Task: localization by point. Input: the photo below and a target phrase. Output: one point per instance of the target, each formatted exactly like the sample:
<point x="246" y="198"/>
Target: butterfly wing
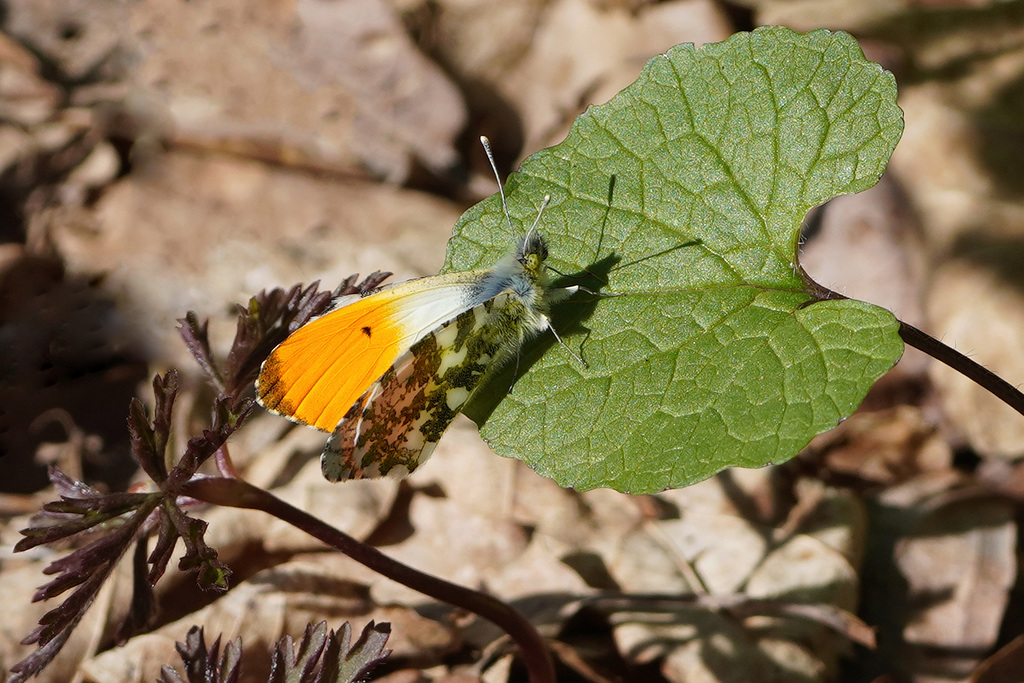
<point x="316" y="375"/>
<point x="397" y="422"/>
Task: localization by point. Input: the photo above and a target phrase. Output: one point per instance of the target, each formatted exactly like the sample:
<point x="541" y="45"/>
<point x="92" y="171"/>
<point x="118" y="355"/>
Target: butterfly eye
<point x="534" y="248"/>
<point x="542" y="252"/>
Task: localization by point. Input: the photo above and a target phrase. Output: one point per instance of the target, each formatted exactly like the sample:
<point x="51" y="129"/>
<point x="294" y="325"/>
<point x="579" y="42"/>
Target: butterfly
<point x="386" y="372"/>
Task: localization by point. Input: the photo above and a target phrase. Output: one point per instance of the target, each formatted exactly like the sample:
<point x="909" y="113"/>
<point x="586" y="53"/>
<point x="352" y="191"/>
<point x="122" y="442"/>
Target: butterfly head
<point x="532" y="251"/>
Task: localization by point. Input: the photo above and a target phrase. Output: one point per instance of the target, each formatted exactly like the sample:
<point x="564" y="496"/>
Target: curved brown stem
<point x="985" y="378"/>
<point x="237" y="493"/>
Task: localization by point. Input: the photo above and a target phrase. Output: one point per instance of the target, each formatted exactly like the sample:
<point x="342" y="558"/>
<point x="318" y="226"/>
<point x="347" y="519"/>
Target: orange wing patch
<point x="319" y="371"/>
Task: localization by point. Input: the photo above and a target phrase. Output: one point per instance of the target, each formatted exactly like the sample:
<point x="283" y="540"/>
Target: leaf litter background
<point x="161" y="156"/>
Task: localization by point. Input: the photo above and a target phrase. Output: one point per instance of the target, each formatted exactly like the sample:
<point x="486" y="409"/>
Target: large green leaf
<point x="684" y="196"/>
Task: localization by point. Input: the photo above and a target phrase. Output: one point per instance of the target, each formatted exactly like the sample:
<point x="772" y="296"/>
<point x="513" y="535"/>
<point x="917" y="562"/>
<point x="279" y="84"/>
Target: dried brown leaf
<point x="796" y="577"/>
<point x="404" y="107"/>
<point x="959" y="562"/>
<point x="231" y="227"/>
<point x="1002" y="667"/>
<point x="937" y="579"/>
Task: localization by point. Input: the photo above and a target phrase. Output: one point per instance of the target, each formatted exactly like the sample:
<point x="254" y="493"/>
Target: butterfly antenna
<point x="501" y="190"/>
<point x="536" y="221"/>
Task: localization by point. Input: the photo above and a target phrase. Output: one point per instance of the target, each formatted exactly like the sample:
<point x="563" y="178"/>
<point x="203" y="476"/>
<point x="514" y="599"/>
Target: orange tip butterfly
<point x="388" y="371"/>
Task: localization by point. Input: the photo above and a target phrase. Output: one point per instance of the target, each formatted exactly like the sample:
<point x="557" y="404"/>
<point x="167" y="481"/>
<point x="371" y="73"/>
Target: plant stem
<point x="981" y="375"/>
<point x="237" y="493"/>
